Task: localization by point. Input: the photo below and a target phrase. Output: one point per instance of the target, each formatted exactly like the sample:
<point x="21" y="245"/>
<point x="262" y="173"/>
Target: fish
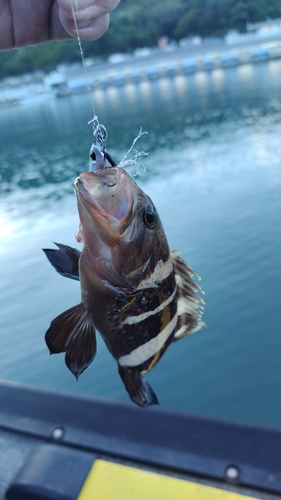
<point x="136" y="292"/>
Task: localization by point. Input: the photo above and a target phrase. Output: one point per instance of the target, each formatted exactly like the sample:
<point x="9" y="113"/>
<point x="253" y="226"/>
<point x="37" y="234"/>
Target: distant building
<point x="255" y="31"/>
<point x="265" y="27"/>
<point x="163" y="42"/>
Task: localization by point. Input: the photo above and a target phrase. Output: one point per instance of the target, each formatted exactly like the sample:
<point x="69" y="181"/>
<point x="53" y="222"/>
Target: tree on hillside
<point x="216" y="17"/>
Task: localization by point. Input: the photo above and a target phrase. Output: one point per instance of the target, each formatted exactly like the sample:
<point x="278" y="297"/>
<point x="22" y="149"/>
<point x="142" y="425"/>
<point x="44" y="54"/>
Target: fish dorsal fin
<point x="190" y="305"/>
<point x="65" y="260"/>
<point x="73" y="332"/>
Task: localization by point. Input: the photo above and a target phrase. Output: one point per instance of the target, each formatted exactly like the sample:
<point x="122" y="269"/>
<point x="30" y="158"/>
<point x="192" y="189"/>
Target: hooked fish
<point x="135" y="291"/>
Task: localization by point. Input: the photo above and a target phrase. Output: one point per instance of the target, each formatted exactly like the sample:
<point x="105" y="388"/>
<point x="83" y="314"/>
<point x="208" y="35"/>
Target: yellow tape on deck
<point x="111" y="481"/>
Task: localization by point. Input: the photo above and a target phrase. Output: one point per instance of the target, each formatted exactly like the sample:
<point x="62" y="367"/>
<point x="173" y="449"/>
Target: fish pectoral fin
<point x="73" y="332"/>
<point x="138" y="388"/>
<point x="65" y="260"/>
<point x="189" y="304"/>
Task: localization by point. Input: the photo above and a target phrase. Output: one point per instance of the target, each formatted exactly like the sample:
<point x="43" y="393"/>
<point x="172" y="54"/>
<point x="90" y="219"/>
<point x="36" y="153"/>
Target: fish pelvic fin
<point x="137" y="387"/>
<point x="65" y="260"/>
<point x="73" y="332"/>
<point x="190" y="305"/>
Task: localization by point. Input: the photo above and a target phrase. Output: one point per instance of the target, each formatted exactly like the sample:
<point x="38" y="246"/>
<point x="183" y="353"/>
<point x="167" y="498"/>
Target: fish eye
<point x="103" y="184"/>
<point x="150" y="215"/>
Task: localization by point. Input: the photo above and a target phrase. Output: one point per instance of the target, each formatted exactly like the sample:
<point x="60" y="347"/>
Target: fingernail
<point x="84" y="24"/>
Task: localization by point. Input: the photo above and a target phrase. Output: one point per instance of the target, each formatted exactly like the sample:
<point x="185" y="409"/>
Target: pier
<point x="162" y="64"/>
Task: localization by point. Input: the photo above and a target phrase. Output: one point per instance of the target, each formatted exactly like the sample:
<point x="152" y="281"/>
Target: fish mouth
<point x="107" y="193"/>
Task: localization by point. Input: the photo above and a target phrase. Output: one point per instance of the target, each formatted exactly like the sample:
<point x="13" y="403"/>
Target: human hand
<point x="30" y="22"/>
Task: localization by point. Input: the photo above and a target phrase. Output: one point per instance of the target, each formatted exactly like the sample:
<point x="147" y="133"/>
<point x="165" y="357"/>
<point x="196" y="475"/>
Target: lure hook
<point x="98" y="153"/>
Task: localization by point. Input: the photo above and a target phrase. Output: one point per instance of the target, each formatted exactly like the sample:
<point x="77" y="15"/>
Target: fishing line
<point x="95" y="120"/>
<point x="97" y="151"/>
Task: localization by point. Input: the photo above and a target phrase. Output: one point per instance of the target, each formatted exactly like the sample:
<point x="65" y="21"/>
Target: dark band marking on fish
<point x="130" y="336"/>
<point x="145" y="351"/>
<point x="150" y="314"/>
<point x="121" y="305"/>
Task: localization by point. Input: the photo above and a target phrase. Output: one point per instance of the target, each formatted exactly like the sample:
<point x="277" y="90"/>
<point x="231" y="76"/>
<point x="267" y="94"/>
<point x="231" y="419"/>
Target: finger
<point x="88" y="29"/>
<point x="85" y="10"/>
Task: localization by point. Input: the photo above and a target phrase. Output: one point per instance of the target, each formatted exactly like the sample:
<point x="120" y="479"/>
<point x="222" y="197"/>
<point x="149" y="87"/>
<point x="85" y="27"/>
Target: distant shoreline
<point x="208" y="56"/>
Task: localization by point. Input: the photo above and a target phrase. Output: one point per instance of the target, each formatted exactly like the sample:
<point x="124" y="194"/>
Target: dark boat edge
<point x="58" y="425"/>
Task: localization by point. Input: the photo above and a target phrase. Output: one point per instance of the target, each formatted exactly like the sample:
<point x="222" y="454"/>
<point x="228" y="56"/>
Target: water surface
<point x="214" y="173"/>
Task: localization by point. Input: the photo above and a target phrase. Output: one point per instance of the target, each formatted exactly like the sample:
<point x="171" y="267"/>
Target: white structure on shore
<point x="255" y="32"/>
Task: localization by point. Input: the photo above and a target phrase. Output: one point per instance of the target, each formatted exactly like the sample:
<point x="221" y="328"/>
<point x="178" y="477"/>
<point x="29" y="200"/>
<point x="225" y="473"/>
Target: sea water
<point x="214" y="174"/>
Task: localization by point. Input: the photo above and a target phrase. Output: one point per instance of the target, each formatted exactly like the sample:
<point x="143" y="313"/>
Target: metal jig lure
<point x="98" y="153"/>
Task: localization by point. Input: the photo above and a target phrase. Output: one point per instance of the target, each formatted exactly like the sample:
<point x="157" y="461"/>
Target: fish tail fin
<point x="138" y="388"/>
<point x="65" y="260"/>
<point x="73" y="332"/>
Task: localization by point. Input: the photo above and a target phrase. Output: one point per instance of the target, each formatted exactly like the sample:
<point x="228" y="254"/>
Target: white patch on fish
<point x="130" y="320"/>
<point x="161" y="271"/>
